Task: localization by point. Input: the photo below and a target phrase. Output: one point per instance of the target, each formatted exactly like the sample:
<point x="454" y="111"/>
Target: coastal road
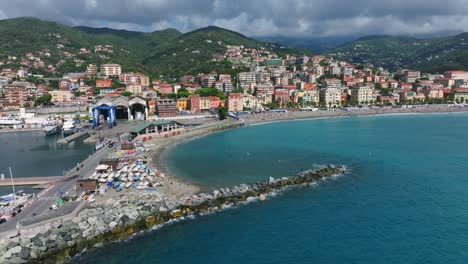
<point x="49" y="196"/>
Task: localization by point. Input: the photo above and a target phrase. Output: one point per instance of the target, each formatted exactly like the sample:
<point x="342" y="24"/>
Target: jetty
<point x="72" y="137"/>
<point x="29" y="181"/>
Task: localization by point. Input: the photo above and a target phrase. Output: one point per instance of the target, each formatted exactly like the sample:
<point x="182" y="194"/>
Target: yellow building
<point x="182" y="104"/>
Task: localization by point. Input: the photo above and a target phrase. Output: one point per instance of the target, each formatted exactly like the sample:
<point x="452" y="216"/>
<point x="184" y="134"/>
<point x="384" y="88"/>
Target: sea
<point x="32" y="154"/>
<point x="404" y="198"/>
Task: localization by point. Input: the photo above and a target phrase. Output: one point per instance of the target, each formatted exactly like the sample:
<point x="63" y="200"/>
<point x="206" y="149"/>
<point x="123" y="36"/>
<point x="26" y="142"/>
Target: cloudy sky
<point x="292" y="18"/>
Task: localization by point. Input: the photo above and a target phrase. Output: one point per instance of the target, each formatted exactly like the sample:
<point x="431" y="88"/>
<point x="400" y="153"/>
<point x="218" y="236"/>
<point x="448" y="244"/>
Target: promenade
<point x="26" y="181"/>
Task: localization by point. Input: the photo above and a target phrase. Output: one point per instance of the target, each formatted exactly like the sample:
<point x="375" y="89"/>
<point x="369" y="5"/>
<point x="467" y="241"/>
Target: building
<point x="281" y="96"/>
<point x="61" y="97"/>
<point x="166" y="108"/>
<point x="134" y="88"/>
<point x="160" y="128"/>
<point x="165" y="89"/>
<point x="456" y="75"/>
<point x="460" y="95"/>
<point x="362" y="94"/>
<point x="195" y="103"/>
<point x="182" y="104"/>
<point x="134" y="77"/>
<point x="330" y="97"/>
<point x="208" y="81"/>
<point x="235" y="102"/>
<point x="435" y="93"/>
<point x="103" y="83"/>
<point x="92" y="70"/>
<point x="215" y="102"/>
<point x="111" y="70"/>
<point x="106" y="91"/>
<point x="205" y="103"/>
<point x="245" y="78"/>
<point x="250" y="102"/>
<point x="86" y="185"/>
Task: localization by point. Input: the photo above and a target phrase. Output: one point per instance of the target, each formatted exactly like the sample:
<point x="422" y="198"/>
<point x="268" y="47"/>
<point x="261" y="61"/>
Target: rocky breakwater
<point x="119" y="218"/>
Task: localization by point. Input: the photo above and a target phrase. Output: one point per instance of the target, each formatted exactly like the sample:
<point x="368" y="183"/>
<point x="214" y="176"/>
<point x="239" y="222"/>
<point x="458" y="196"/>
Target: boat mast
<point x="12" y="183"/>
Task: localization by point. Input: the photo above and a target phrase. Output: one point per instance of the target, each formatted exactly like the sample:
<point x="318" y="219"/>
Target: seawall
<point x="132" y="213"/>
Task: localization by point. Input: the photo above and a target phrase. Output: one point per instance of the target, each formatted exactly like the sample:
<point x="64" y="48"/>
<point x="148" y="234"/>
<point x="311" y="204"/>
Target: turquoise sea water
<point x="404" y="200"/>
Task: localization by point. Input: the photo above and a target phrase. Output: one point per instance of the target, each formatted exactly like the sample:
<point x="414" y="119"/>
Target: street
<point x="49" y="196"/>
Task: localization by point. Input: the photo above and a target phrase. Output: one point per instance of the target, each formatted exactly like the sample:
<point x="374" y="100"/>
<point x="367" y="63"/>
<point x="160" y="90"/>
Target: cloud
<point x="298" y="18"/>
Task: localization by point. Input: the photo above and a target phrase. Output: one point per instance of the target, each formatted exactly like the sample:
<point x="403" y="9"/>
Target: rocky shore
<point x="120" y="218"/>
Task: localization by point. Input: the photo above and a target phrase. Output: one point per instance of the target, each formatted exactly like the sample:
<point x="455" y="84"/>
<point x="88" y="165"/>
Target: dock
<point x="29" y="181"/>
<point x="72" y="137"/>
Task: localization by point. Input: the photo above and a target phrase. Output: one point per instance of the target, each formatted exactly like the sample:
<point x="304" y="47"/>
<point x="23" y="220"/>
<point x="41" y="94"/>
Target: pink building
<point x="195" y="103"/>
<point x="235" y="102"/>
<point x="215" y="102"/>
<point x="165" y="89"/>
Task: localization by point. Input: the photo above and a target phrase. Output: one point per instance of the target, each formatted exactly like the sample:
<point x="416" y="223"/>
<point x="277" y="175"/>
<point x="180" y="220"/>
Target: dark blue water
<point x="405" y="199"/>
<point x="33" y="154"/>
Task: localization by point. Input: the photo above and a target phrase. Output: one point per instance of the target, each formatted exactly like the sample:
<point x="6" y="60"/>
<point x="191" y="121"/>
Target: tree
<point x="44" y="100"/>
<point x="126" y="93"/>
<point x="222" y="112"/>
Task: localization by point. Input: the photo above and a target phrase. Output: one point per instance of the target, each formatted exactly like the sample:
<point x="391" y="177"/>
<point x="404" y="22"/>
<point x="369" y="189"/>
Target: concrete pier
<point x="72" y="137"/>
<point x="29" y="181"/>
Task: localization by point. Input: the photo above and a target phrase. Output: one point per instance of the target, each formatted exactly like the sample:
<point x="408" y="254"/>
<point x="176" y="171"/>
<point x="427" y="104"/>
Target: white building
<point x="362" y="95"/>
<point x="331" y="97"/>
<point x="111" y="70"/>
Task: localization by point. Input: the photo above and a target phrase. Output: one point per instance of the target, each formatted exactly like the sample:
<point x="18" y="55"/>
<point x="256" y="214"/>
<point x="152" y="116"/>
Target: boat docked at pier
<point x="69" y="128"/>
<point x="10" y="121"/>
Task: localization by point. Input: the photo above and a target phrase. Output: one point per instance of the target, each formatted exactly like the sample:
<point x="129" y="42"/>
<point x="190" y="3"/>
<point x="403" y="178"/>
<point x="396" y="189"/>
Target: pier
<point x="29" y="181"/>
<point x="72" y="137"/>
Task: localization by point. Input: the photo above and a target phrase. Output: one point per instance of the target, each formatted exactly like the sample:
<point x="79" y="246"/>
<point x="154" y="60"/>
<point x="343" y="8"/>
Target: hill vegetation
<point x="167" y="52"/>
<point x="396" y="52"/>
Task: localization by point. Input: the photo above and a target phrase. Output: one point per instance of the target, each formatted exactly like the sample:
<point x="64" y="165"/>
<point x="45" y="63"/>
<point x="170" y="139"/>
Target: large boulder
<point x="15" y="250"/>
<point x="37" y="241"/>
<point x="25" y="253"/>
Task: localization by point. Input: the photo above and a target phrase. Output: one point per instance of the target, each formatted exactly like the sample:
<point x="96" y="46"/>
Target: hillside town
<point x="273" y="82"/>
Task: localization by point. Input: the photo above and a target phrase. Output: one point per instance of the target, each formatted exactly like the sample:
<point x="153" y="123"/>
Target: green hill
<point x="394" y="52"/>
<point x="167" y="52"/>
<point x="192" y="52"/>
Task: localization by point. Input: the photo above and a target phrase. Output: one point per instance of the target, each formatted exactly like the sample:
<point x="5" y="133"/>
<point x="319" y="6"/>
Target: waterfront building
<point x="215" y="102"/>
<point x="125" y="108"/>
<point x="160" y="128"/>
<point x="205" y="103"/>
<point x="195" y="103"/>
<point x="362" y="94"/>
<point x="182" y="104"/>
<point x="235" y="102"/>
<point x="330" y="97"/>
<point x="166" y="108"/>
<point x="435" y="93"/>
<point x="460" y="95"/>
